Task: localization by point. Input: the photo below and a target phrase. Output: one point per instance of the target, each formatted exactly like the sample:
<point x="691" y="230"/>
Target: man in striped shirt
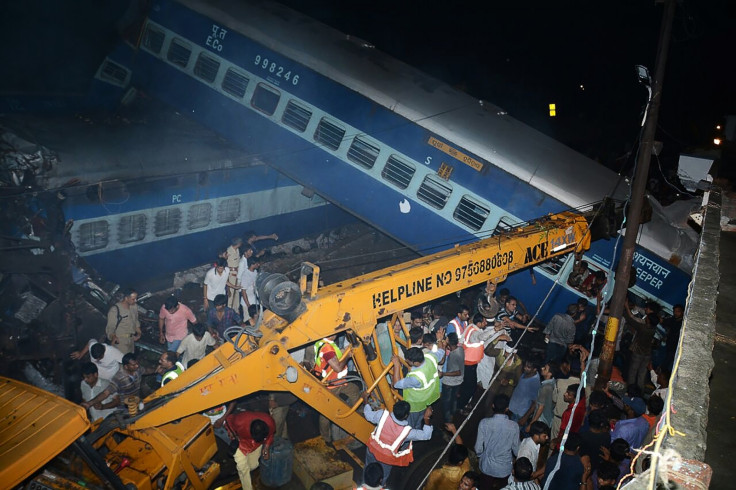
<point x="522" y="476"/>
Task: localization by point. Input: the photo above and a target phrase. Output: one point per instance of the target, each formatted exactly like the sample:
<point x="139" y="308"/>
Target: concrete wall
<point x="690" y="383"/>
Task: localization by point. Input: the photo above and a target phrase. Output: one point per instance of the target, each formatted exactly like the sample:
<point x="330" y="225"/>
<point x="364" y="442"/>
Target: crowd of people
<point x="541" y="426"/>
<point x="544" y="425"/>
<point x="113" y="377"/>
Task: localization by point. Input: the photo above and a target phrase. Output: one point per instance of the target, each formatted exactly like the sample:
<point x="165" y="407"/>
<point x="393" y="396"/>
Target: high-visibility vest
<point x="173" y="374"/>
<point x="387" y="438"/>
<point x="459" y="327"/>
<point x="422" y="397"/>
<point x="321" y="366"/>
<point x="474" y="350"/>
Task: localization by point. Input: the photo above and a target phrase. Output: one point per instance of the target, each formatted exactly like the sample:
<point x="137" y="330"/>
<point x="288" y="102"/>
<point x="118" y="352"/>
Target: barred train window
<point x="132" y="228"/>
<point x="434" y="192"/>
<point x="471" y="213"/>
<point x="179" y="53"/>
<point x="505" y="225"/>
<point x="167" y="222"/>
<point x="153" y="39"/>
<point x="362" y="152"/>
<point x="199" y="215"/>
<point x="329" y="134"/>
<point x="206" y="67"/>
<point x="228" y="210"/>
<point x="114" y="73"/>
<point x="398" y="172"/>
<point x="296" y="116"/>
<point x="94" y="235"/>
<point x="235" y="83"/>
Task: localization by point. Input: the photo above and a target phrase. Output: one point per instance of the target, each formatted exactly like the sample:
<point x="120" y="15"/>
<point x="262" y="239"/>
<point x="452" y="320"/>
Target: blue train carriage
<point x="136" y="230"/>
<point x="148" y="199"/>
<point x="426" y="164"/>
<point x="656" y="280"/>
<point x="346" y="132"/>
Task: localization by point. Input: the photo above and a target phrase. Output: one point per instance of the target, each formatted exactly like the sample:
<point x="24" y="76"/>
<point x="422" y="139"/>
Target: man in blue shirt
<point x="496" y="445"/>
<point x="632" y="430"/>
<point x="400" y="455"/>
<point x="521" y="405"/>
<point x="571" y="472"/>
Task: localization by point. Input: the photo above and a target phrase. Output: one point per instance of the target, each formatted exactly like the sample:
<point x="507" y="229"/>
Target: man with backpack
<point x="123" y="328"/>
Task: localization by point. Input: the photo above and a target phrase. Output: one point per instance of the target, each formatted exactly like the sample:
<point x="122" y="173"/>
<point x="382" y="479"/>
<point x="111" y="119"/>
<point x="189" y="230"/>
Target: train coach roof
<point x="462" y="120"/>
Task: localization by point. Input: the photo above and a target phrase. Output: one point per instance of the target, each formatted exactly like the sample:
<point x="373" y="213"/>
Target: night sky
<point x="520" y="56"/>
<point x="523" y="56"/>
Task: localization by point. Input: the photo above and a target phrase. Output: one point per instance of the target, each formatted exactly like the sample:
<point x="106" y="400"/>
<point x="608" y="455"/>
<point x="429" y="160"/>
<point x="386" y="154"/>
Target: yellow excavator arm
<point x="252" y="364"/>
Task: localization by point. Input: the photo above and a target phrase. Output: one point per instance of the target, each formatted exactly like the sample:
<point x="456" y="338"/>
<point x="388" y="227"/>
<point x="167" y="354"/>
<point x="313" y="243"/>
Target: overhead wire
<point x="438" y="245"/>
<point x="554" y="285"/>
<point x="606" y="292"/>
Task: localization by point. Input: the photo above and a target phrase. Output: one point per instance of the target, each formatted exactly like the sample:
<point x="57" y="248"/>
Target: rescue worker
<point x="422" y="383"/>
<point x="459" y="323"/>
<point x="123" y="328"/>
<point x="388" y="442"/>
<point x="169" y="366"/>
<point x="475" y="337"/>
<point x="331" y="367"/>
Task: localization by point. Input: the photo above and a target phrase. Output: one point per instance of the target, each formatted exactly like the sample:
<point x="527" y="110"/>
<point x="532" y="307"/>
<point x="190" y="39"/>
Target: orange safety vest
<point x="387" y="438"/>
<point x="459" y="328"/>
<point x="321" y="366"/>
<point x="474" y="350"/>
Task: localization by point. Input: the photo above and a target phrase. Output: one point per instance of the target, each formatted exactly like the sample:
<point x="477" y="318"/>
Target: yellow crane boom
<point x="169" y="443"/>
<point x="355" y="306"/>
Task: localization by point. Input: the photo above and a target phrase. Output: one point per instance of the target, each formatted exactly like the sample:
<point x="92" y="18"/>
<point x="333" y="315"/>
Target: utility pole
<point x="623" y="272"/>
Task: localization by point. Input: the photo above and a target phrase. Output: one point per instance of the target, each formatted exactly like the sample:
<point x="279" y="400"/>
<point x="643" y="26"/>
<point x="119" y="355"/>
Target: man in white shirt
<point x="247" y="278"/>
<point x="91" y="386"/>
<point x="529" y="447"/>
<point x="106" y="357"/>
<point x="194" y="345"/>
<point x="215" y="282"/>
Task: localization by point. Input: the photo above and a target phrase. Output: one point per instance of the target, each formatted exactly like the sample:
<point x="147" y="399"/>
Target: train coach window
<point x="206" y="67"/>
<point x="114" y="73"/>
<point x="398" y="172"/>
<point x="179" y="53"/>
<point x="329" y="134"/>
<point x="434" y="192"/>
<point x="199" y="215"/>
<point x="505" y="225"/>
<point x="362" y="152"/>
<point x="471" y="213"/>
<point x="235" y="83"/>
<point x="295" y="116"/>
<point x="153" y="39"/>
<point x="132" y="228"/>
<point x="265" y="99"/>
<point x="167" y="222"/>
<point x="94" y="235"/>
<point x="228" y="210"/>
<point x="553" y="265"/>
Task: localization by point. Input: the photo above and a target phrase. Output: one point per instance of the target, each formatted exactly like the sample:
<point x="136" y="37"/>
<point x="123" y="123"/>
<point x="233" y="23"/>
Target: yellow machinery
<point x="170" y="442"/>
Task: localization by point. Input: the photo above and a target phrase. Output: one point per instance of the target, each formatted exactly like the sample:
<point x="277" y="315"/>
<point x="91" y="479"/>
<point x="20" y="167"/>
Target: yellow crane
<point x="170" y="441"/>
